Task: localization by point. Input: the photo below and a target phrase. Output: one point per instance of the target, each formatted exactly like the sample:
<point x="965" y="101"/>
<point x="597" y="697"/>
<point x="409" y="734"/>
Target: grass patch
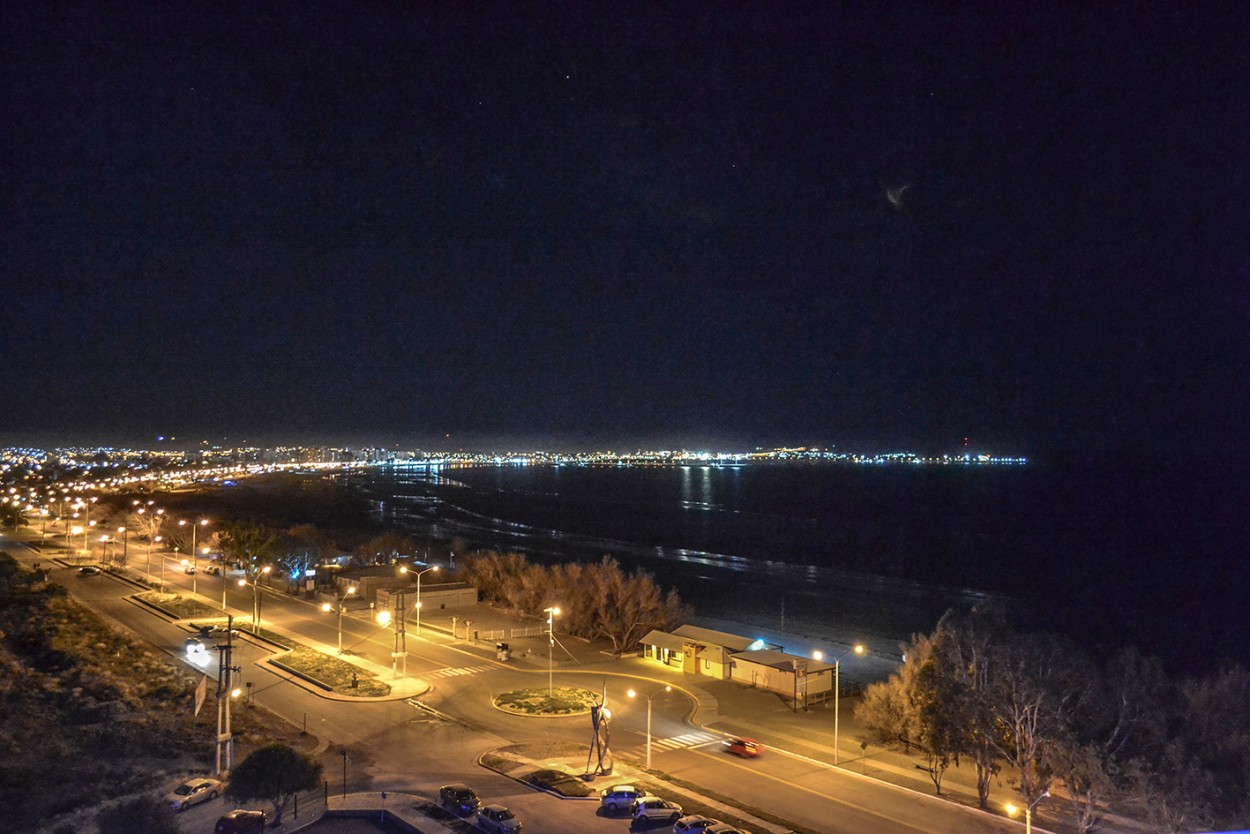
<point x="334" y="673"/>
<point x="245" y="627"/>
<point x="557" y="781"/>
<point x="178" y="606"/>
<point x="563" y="700"/>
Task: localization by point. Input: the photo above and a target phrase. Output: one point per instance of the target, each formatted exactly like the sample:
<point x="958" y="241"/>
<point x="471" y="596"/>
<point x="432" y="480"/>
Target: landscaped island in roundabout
<point x="560" y="700"/>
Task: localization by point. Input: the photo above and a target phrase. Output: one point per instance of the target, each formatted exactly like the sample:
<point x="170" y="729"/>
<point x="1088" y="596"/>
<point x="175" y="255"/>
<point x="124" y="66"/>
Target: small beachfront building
<point x="697" y="651"/>
<point x="792" y="676"/>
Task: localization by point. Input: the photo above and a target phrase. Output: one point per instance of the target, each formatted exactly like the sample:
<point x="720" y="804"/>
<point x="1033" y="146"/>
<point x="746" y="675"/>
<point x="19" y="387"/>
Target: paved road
<point x="403" y="748"/>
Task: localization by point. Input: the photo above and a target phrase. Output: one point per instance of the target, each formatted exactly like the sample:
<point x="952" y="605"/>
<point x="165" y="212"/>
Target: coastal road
<point x="399" y="747"/>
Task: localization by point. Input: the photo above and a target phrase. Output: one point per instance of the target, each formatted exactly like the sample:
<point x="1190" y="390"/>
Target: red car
<point x="747" y="748"/>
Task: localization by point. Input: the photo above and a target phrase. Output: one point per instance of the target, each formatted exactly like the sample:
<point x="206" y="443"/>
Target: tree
<point x="248" y="543"/>
<point x="1124" y="722"/>
<point x="12" y="515"/>
<point x="964" y="646"/>
<point x="145" y="814"/>
<point x="274" y="773"/>
<point x="384" y="548"/>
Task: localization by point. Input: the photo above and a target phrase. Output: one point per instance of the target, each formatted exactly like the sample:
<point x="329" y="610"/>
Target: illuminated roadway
<point x="403" y="748"/>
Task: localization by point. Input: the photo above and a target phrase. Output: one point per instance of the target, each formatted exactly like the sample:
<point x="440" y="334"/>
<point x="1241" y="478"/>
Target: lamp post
<point x="151" y="542"/>
<point x="419" y="573"/>
<point x="551" y="613"/>
<point x="325" y="606"/>
<point x="125" y="538"/>
<point x="195" y="524"/>
<point x="1012" y="810"/>
<point x="837" y="691"/>
<point x="224" y="581"/>
<point x="650" y="698"/>
<point x="104" y="542"/>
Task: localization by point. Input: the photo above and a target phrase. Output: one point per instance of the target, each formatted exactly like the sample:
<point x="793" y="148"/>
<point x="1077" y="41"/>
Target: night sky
<point x="581" y="225"/>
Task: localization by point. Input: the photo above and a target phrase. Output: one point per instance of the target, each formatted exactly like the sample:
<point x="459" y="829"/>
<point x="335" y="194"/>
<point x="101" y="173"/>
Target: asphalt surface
<point x="442" y="721"/>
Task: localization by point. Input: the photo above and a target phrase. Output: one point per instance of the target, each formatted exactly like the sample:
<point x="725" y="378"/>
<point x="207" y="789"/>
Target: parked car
<point x="213" y="570"/>
<point x="620" y="797"/>
<point x="747" y="748"/>
<point x="459" y="799"/>
<point x="726" y="828"/>
<point x="654" y="808"/>
<point x="496" y="819"/>
<point x="241" y="822"/>
<point x="193" y="792"/>
<point x="89" y="570"/>
<point x="694" y="823"/>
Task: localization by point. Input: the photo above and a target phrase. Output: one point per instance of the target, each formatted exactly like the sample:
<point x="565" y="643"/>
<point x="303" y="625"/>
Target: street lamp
<point x="650" y="698"/>
<point x="551" y="613"/>
<point x="155" y="540"/>
<point x="125" y="537"/>
<point x="1012" y="810"/>
<point x="837" y="691"/>
<point x="325" y="606"/>
<point x="419" y="574"/>
<point x="201" y="523"/>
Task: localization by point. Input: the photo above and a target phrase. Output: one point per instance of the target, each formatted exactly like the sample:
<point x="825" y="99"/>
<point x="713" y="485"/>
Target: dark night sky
<point x="645" y="224"/>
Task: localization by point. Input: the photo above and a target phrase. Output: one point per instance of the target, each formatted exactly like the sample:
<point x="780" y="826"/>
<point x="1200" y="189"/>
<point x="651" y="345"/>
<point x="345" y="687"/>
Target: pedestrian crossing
<point x="454" y="671"/>
<point x="659" y="745"/>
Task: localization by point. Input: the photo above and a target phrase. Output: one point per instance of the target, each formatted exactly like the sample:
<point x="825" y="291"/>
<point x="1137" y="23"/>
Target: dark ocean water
<point x="1109" y="551"/>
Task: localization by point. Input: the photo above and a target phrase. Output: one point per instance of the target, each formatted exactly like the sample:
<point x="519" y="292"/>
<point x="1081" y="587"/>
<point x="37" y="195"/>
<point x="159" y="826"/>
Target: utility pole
<point x="225" y="694"/>
<point x="401" y="638"/>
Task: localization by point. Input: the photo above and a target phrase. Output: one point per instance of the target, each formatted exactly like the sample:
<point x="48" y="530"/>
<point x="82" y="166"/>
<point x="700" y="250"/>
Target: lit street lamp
<point x="1012" y="810"/>
<point x="125" y="537"/>
<point x="195" y="524"/>
<point x="152" y="541"/>
<point x="650" y="698"/>
<point x="837" y="691"/>
<point x="325" y="606"/>
<point x="552" y="613"/>
<point x="419" y="595"/>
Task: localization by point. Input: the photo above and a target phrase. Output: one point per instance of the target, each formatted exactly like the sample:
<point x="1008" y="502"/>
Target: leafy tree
<point x="274" y="773"/>
<point x="384" y="548"/>
<point x="248" y="543"/>
<point x="964" y="646"/>
<point x="151" y="816"/>
<point x="598" y="600"/>
<point x="1124" y="722"/>
<point x="12" y="515"/>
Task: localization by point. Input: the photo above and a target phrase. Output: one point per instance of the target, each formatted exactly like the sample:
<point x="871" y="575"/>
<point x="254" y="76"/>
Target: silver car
<point x="193" y="792"/>
<point x="620" y="797"/>
<point x="496" y="819"/>
<point x="654" y="808"/>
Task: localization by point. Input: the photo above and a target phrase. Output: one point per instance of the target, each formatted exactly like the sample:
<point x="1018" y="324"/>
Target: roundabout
<point x="543" y="702"/>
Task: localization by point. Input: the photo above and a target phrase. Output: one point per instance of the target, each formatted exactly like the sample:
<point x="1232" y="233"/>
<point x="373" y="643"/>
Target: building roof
<point x="664" y="640"/>
<point x="708" y="637"/>
<point x="783" y="661"/>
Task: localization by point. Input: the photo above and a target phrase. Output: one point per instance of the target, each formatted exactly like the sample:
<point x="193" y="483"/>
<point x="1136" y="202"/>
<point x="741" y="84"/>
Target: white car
<point x="654" y="808"/>
<point x="193" y="792"/>
<point x="620" y="797"/>
<point x="496" y="819"/>
<point x="694" y="822"/>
